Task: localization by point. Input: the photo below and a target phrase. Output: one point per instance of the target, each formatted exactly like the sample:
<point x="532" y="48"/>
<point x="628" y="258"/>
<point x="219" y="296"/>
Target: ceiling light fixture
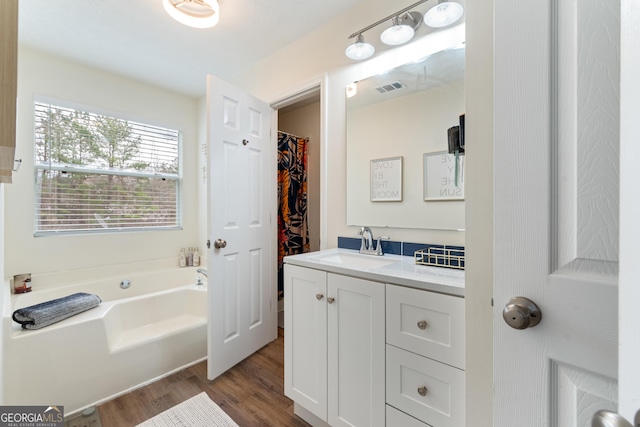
<point x="443" y="14"/>
<point x="405" y="24"/>
<point x="194" y="13"/>
<point x="360" y="49"/>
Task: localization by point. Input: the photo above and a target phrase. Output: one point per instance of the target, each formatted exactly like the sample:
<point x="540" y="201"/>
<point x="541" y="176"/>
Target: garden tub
<point x="156" y="326"/>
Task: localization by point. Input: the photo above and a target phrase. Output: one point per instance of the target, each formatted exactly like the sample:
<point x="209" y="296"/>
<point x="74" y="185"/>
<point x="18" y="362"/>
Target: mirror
<point x="404" y="113"/>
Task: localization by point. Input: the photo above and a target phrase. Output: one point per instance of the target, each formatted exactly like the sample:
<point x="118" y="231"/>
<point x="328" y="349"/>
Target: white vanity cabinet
<point x="425" y="358"/>
<point x="373" y="341"/>
<point x="334" y="347"/>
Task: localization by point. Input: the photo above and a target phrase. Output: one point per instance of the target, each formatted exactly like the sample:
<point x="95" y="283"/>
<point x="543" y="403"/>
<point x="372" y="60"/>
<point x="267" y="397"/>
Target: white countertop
<point x="400" y="270"/>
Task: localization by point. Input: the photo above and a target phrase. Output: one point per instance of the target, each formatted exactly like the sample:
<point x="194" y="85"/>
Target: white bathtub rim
<point x="107" y="288"/>
<point x="95" y="314"/>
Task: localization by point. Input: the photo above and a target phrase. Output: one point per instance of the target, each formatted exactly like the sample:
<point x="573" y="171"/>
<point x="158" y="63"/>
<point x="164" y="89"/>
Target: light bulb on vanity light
<point x="360" y="49"/>
<point x="398" y="33"/>
<point x="443" y="14"/>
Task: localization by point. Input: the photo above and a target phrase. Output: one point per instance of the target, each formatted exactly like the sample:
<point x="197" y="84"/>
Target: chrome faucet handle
<point x="379" y="246"/>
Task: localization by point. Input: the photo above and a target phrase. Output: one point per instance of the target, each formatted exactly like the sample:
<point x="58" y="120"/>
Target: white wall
<point x="3" y="290"/>
<point x="41" y="74"/>
<point x="479" y="215"/>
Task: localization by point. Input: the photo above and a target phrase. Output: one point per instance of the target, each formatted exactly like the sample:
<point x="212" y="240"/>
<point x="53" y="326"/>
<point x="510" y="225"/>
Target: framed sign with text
<point x="443" y="176"/>
<point x="386" y="179"/>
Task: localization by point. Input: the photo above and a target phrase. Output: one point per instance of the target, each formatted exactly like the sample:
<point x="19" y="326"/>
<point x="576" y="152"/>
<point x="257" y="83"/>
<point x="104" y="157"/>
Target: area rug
<point x="198" y="411"/>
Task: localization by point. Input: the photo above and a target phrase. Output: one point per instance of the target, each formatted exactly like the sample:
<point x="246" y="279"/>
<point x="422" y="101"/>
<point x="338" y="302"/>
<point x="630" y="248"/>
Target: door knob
<point x="521" y="313"/>
<point x="609" y="419"/>
<point x="220" y="243"/>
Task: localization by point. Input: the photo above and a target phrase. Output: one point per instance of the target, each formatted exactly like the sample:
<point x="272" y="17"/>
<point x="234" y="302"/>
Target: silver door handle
<point x="220" y="243"/>
<point x="610" y="419"/>
<point x="521" y="313"/>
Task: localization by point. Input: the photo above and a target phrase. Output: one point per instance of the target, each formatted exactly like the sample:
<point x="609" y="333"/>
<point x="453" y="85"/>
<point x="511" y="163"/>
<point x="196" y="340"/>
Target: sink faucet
<point x="367" y="239"/>
<point x="366" y="245"/>
<point x="204" y="273"/>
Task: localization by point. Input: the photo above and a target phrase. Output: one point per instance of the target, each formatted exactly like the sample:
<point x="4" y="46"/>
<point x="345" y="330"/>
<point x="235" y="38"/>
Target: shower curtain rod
<point x="291" y="134"/>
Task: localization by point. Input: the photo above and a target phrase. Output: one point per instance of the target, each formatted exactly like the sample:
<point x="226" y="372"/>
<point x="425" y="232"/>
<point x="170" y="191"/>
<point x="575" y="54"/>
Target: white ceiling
<point x="137" y="39"/>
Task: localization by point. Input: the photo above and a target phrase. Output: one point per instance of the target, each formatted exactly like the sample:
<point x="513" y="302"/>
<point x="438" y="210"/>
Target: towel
<point x="49" y="312"/>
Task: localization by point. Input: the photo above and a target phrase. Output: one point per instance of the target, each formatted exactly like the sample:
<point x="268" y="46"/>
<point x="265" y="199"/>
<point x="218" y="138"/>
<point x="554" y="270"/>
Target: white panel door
<point x="242" y="200"/>
<point x="556" y="202"/>
<point x="629" y="368"/>
<point x="356" y="351"/>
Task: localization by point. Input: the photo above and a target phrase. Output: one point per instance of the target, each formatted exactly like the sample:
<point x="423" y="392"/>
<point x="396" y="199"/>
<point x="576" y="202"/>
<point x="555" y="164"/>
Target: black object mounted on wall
<point x="456" y="137"/>
<point x="461" y="134"/>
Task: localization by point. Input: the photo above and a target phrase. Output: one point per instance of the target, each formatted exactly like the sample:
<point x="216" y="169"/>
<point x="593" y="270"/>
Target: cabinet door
<point x="8" y="82"/>
<point x="356" y="348"/>
<point x="305" y="338"/>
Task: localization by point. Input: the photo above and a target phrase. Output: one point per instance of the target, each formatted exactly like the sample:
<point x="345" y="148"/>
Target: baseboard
<point x="308" y="416"/>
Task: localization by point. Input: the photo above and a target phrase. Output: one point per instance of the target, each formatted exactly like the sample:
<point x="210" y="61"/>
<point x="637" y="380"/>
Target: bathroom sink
<point x="355" y="260"/>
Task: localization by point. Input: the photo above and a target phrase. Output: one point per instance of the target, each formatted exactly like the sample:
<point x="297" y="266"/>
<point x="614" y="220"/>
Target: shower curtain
<point x="293" y="233"/>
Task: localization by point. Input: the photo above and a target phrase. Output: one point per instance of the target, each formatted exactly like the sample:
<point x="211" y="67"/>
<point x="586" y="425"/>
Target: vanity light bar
<point x="405" y="23"/>
<point x="388" y="18"/>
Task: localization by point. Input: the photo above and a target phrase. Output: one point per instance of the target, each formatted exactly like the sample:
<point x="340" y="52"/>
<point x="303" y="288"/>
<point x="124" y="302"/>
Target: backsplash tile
<point x="396" y="247"/>
<point x="349" y="243"/>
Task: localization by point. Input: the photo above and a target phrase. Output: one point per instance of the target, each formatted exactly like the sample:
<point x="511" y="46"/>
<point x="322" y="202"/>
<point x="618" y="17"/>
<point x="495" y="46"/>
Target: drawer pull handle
<point x="422" y="324"/>
<point x="319" y="296"/>
<point x="330" y="300"/>
<point x="422" y="391"/>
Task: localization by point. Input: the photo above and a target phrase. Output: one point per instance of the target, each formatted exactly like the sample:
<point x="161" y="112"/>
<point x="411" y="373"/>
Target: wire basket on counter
<point x="441" y="256"/>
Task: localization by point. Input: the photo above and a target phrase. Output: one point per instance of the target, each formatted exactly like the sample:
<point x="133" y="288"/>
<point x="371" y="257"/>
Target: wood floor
<point x="252" y="393"/>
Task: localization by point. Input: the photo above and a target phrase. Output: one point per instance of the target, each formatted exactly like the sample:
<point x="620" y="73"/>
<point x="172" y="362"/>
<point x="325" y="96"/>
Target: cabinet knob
<point x="422" y="324"/>
<point x="422" y="391"/>
<point x="319" y="296"/>
<point x="330" y="300"/>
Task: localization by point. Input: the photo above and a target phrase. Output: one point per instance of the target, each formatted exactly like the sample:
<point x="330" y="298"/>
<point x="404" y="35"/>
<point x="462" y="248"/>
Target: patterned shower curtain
<point x="293" y="234"/>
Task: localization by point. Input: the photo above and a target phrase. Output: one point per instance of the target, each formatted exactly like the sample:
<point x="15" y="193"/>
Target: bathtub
<point x="135" y="336"/>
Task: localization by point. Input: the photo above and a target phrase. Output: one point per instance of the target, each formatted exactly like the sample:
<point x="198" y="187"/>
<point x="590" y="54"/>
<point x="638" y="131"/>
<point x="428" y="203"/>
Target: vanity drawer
<point x="397" y="418"/>
<point x="426" y="323"/>
<point x="425" y="389"/>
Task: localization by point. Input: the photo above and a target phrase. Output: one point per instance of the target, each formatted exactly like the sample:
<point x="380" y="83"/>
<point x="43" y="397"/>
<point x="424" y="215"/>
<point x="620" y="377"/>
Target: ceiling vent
<point x="390" y="87"/>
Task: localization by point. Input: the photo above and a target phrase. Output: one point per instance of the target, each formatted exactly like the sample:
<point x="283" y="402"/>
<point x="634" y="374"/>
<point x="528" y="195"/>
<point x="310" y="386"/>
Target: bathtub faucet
<point x="204" y="273"/>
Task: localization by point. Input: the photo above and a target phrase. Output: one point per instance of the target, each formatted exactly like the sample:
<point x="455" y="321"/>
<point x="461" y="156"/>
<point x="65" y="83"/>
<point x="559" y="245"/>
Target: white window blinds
<point x="97" y="173"/>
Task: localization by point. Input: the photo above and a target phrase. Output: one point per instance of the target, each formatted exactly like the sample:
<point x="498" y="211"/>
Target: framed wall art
<point x="443" y="176"/>
<point x="386" y="179"/>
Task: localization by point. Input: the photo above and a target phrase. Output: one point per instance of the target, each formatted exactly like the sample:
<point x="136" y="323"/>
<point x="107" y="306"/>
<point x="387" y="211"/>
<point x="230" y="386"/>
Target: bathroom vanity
<point x="373" y="340"/>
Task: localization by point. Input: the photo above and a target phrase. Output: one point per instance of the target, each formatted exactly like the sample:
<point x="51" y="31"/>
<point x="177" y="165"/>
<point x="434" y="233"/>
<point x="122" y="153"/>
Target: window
<point x="97" y="173"/>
